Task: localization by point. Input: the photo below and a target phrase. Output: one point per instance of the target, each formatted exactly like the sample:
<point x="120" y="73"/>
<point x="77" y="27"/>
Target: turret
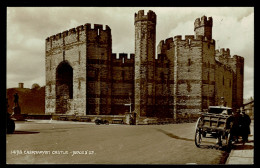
<point x="151" y="16"/>
<point x="203" y="26"/>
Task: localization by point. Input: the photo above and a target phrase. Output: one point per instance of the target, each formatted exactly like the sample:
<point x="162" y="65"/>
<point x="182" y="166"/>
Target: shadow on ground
<point x="174" y="136"/>
<point x="25" y="132"/>
<point x="214" y="146"/>
<point x="243" y="147"/>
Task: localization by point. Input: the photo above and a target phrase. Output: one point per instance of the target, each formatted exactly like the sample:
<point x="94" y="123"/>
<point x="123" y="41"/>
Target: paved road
<point x="65" y="142"/>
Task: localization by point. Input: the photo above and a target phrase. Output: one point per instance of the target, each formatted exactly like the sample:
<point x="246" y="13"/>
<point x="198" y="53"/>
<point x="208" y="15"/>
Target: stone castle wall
<point x="236" y="64"/>
<point x="87" y="51"/>
<point x="122" y="83"/>
<point x="83" y="76"/>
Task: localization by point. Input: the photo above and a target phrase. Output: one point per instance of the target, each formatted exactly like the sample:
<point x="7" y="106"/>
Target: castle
<point x="83" y="76"/>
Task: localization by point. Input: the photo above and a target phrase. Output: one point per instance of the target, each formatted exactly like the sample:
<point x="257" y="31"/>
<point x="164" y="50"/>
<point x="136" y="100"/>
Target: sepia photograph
<point x="130" y="85"/>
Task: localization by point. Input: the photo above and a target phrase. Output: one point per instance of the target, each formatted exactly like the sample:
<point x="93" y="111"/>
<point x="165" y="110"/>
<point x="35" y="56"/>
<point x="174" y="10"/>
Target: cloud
<point x="233" y="31"/>
<point x="28" y="27"/>
<point x="248" y="81"/>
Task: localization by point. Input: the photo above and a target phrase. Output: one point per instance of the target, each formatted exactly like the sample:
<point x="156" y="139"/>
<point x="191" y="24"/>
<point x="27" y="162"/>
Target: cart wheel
<point x="198" y="137"/>
<point x="198" y="134"/>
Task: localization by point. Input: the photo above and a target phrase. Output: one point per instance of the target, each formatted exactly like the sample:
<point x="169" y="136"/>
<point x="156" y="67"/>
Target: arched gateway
<point x="64" y="87"/>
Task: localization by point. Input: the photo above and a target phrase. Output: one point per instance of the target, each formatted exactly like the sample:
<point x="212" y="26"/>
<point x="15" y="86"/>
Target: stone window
<point x="162" y="77"/>
<point x="189" y="62"/>
<point x="79" y="57"/>
<point x="79" y="86"/>
<point x="63" y="55"/>
<point x="92" y="73"/>
<point x="50" y="88"/>
<point x="188" y="86"/>
<point x="78" y="35"/>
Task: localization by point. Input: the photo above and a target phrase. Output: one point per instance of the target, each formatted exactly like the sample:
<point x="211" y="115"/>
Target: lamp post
<point x="129" y="94"/>
<point x="129" y="106"/>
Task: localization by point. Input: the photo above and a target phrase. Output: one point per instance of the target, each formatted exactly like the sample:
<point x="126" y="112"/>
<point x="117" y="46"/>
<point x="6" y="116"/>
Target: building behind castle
<point x="83" y="76"/>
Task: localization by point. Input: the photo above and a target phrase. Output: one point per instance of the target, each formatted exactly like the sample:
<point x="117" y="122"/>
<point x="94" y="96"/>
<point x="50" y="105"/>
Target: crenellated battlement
<point x="203" y="21"/>
<point x="78" y="29"/>
<point x="166" y="41"/>
<point x="140" y="16"/>
<point x="123" y="58"/>
<point x="203" y="26"/>
<point x="223" y="52"/>
<point x="190" y="38"/>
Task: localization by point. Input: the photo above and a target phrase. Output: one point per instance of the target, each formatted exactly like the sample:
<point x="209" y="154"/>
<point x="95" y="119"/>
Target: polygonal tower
<point x="145" y="36"/>
<point x="203" y="27"/>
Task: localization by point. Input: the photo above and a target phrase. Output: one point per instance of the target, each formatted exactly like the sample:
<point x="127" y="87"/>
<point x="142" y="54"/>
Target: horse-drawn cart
<point x="217" y="121"/>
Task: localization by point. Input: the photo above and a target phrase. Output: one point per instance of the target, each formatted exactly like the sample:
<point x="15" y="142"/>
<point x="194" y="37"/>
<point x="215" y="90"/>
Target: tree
<point x="35" y="86"/>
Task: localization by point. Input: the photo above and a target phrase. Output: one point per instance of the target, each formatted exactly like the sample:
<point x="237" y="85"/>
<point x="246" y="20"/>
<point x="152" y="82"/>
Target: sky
<point x="28" y="27"/>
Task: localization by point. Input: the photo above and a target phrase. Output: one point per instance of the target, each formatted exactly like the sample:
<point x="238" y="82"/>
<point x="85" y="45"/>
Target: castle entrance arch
<point x="64" y="87"/>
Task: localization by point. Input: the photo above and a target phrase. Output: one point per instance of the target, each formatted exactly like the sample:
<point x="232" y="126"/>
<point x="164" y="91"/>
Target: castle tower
<point x="145" y="29"/>
<point x="78" y="71"/>
<point x="203" y="27"/>
<point x="237" y="65"/>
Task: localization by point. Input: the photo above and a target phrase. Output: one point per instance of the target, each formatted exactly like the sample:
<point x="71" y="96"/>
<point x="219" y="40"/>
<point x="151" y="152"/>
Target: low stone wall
<point x="181" y="118"/>
<point x="40" y="117"/>
<point x="88" y="118"/>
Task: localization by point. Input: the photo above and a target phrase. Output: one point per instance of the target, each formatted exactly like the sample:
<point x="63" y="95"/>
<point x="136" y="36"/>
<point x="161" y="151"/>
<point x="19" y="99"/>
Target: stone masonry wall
<point x="84" y="50"/>
<point x="236" y="63"/>
<point x="189" y="74"/>
<point x="162" y="87"/>
<point x="122" y="83"/>
<point x="145" y="28"/>
<point x="208" y="74"/>
<point x="68" y="46"/>
<point x="224" y="84"/>
<point x="165" y="63"/>
<point x="99" y="50"/>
